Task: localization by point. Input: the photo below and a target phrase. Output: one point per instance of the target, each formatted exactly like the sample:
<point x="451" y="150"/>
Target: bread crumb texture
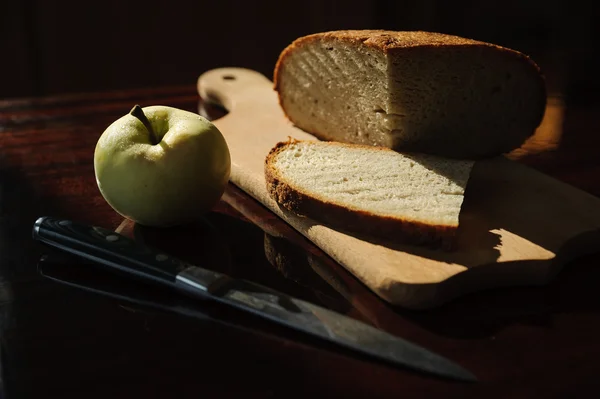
<point x="411" y="91"/>
<point x="382" y="183"/>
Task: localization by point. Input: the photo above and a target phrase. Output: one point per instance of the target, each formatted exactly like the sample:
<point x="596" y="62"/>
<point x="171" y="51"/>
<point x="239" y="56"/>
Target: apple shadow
<point x="211" y="110"/>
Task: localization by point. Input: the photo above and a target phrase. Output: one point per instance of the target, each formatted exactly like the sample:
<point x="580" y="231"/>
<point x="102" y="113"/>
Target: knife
<point x="134" y="260"/>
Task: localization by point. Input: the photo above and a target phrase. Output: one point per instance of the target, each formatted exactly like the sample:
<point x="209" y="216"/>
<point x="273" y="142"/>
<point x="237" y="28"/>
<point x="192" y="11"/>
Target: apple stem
<point x="138" y="112"/>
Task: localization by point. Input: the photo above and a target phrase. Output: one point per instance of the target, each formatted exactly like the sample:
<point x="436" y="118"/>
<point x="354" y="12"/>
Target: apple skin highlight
<point x="173" y="182"/>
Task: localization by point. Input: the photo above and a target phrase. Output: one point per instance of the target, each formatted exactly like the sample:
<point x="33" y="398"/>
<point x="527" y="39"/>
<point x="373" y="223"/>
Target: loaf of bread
<point x="372" y="191"/>
<point x="411" y="91"/>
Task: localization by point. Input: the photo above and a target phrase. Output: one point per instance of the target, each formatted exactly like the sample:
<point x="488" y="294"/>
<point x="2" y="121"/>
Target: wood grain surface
<point x="58" y="341"/>
<point x="517" y="225"/>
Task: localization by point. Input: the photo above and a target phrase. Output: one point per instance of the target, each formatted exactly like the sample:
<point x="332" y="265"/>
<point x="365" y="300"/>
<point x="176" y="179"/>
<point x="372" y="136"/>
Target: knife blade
<point x="128" y="258"/>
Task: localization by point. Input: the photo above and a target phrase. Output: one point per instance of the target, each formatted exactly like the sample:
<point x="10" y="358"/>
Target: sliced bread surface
<point x="369" y="190"/>
<point x="411" y="91"/>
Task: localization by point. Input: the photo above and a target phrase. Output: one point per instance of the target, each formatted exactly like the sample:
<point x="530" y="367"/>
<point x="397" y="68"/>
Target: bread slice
<point x="411" y="91"/>
<point x="374" y="191"/>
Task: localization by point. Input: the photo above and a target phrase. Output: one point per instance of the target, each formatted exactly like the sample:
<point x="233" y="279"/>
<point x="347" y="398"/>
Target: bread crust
<point x="388" y="41"/>
<point x="390" y="229"/>
<point x="394" y="42"/>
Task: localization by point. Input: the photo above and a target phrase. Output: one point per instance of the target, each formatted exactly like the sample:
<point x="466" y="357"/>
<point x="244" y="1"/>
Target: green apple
<point x="162" y="166"/>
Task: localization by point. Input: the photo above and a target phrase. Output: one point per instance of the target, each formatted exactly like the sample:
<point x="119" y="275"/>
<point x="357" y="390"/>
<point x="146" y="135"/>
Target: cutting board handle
<point x="235" y="88"/>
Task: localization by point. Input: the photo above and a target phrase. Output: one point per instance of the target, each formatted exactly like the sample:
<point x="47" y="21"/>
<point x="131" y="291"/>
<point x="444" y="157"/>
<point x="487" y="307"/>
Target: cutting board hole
<point x="228" y="77"/>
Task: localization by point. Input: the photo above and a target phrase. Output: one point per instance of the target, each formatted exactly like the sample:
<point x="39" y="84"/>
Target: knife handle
<point x="109" y="249"/>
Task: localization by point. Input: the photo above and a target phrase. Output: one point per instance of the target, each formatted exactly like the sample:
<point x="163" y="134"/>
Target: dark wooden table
<point x="62" y="341"/>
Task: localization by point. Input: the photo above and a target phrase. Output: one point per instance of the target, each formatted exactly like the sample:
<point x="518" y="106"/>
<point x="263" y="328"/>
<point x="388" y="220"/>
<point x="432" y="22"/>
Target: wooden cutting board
<point x="517" y="226"/>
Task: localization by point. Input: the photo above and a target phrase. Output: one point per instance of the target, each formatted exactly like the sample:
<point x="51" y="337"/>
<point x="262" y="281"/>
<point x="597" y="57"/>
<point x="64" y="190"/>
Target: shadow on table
<point x="475" y="315"/>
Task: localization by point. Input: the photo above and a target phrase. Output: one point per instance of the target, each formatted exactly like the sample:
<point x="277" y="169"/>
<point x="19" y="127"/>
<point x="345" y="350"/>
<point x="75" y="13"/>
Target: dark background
<point x="70" y="46"/>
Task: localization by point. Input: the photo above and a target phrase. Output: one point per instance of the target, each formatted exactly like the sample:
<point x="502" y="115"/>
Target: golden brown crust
<point x="387" y="40"/>
<point x="352" y="221"/>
